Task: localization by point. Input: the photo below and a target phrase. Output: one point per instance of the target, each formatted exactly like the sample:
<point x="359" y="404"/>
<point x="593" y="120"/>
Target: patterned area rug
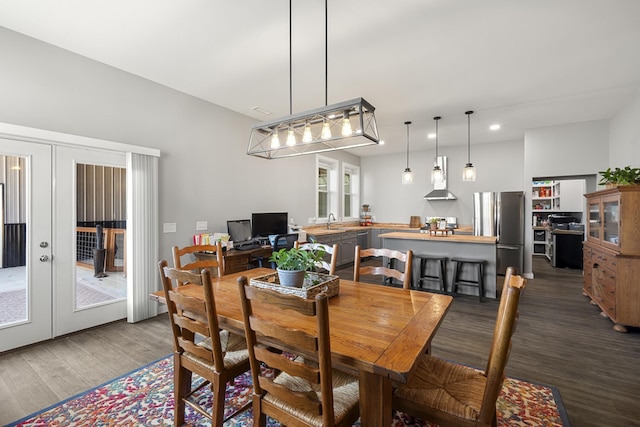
<point x="145" y="398"/>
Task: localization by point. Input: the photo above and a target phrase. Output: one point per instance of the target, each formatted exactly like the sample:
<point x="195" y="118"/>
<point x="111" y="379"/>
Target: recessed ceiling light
<point x="431" y="135"/>
<point x="494" y="127"/>
<point x="381" y="142"/>
<point x="261" y="110"/>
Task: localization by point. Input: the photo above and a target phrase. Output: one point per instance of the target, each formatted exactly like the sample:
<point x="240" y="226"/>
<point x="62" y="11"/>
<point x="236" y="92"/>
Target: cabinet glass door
<point x="611" y="221"/>
<point x="594" y="220"/>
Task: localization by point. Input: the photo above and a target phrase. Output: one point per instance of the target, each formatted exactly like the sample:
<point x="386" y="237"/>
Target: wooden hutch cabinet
<point x="612" y="254"/>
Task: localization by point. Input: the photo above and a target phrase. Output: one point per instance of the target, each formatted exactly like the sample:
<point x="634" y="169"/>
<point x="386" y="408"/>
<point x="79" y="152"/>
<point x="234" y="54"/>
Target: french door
<point x="82" y="300"/>
<point x="26" y="285"/>
<point x="42" y="298"/>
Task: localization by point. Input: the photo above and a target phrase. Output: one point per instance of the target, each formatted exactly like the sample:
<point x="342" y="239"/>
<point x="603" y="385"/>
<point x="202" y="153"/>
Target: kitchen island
<point x="450" y="246"/>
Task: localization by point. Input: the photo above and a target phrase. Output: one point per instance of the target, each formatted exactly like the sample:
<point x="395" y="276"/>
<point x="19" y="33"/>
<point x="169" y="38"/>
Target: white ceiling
<point x="521" y="63"/>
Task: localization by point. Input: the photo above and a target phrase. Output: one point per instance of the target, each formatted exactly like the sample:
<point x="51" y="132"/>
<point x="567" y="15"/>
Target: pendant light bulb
<point x="306" y="136"/>
<point x="436" y="173"/>
<point x="291" y="137"/>
<point x="346" y="124"/>
<point x="326" y="130"/>
<point x="407" y="175"/>
<point x="275" y="141"/>
<point x="469" y="171"/>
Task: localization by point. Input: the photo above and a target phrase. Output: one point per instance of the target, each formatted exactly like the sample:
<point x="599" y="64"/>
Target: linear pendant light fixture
<point x="469" y="171"/>
<point x="407" y="175"/>
<point x="345" y="125"/>
<point x="436" y="173"/>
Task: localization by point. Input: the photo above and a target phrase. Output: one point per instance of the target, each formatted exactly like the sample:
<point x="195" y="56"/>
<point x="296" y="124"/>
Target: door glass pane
<point x="611" y="222"/>
<point x="13" y="243"/>
<point x="100" y="235"/>
<point x="594" y="220"/>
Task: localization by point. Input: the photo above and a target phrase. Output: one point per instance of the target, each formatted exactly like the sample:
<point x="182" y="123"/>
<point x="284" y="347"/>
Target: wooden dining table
<point x="377" y="332"/>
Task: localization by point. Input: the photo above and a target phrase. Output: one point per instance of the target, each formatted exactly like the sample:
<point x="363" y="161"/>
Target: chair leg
<point x="181" y="387"/>
<point x="481" y="282"/>
<point x="218" y="390"/>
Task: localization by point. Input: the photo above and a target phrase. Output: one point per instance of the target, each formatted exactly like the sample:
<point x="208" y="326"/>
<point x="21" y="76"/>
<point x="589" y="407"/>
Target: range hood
<point x="440" y="191"/>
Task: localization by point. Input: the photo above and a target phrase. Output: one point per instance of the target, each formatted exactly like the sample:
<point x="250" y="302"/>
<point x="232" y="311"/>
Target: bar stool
<point x="475" y="264"/>
<point x="440" y="275"/>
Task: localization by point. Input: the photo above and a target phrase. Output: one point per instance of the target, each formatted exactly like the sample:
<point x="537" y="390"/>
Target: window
<point x="326" y="188"/>
<point x="350" y="191"/>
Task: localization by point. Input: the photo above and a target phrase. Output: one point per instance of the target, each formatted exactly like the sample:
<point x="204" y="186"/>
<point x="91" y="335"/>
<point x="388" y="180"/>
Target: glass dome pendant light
<point x="469" y="171"/>
<point x="436" y="173"/>
<point x="407" y="175"/>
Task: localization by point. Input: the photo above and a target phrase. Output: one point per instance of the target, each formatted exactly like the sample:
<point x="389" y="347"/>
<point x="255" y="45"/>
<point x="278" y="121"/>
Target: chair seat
<point x="345" y="395"/>
<point x="234" y="349"/>
<point x="446" y="387"/>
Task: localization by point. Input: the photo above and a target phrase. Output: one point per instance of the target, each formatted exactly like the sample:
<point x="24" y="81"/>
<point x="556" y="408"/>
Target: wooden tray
<point x="314" y="283"/>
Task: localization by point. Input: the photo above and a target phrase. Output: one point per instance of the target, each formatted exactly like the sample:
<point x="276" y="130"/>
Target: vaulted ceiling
<point x="520" y="63"/>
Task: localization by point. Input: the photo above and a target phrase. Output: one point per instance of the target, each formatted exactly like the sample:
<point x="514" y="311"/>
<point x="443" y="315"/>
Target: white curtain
<point x="142" y="236"/>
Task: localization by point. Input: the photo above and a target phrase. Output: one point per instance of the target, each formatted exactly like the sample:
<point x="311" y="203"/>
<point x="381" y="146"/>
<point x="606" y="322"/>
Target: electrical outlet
<point x="169" y="227"/>
<point x="312" y="220"/>
<point x="201" y="225"/>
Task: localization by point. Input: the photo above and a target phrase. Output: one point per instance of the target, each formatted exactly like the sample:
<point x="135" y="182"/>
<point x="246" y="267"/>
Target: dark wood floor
<point x="561" y="341"/>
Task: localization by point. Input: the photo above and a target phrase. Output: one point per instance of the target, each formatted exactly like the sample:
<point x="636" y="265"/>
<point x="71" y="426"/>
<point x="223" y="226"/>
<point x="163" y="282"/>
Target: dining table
<point x="377" y="332"/>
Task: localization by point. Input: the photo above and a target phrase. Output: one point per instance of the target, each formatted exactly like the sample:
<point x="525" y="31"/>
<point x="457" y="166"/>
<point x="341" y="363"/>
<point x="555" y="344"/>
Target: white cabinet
<point x="572" y="195"/>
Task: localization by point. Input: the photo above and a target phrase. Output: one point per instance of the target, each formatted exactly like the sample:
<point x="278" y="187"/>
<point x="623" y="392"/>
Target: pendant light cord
<point x="407" y="123"/>
<point x="326" y="54"/>
<point x="468" y="113"/>
<point x="290" y="65"/>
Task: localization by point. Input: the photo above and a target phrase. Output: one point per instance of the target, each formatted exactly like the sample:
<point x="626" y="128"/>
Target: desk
<point x="377" y="332"/>
<point x="236" y="261"/>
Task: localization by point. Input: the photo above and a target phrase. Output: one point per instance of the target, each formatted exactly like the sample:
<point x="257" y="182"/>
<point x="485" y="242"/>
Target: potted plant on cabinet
<point x="618" y="176"/>
<point x="433" y="224"/>
<point x="292" y="264"/>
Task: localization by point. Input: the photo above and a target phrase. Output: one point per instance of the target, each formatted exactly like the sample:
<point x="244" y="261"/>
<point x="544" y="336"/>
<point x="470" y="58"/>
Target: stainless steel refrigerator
<point x="502" y="215"/>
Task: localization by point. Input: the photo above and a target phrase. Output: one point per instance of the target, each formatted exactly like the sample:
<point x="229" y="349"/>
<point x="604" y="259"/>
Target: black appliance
<point x="567" y="240"/>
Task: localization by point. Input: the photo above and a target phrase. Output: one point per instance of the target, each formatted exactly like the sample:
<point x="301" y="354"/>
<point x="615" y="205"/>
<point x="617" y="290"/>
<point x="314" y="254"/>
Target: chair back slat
<point x="300" y="339"/>
<point x="214" y="263"/>
<point x="402" y="276"/>
<point x="330" y="258"/>
<point x="291" y="366"/>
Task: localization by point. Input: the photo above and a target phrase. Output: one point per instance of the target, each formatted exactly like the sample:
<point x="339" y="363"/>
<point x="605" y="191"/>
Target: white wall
<point x="393" y="202"/>
<point x="624" y="134"/>
<point x="205" y="174"/>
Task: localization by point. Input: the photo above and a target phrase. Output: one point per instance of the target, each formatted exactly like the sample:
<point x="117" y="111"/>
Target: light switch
<point x="201" y="225"/>
<point x="169" y="227"/>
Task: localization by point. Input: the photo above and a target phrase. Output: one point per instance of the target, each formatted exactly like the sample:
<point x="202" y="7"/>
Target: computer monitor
<point x="267" y="224"/>
<point x="239" y="230"/>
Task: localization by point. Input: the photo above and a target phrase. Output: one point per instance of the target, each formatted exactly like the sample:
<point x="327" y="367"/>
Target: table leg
<point x="376" y="394"/>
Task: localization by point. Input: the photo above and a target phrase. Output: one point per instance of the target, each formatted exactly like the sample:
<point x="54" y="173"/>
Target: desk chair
<point x="219" y="358"/>
<point x="213" y="262"/>
<point x="332" y="251"/>
<point x="306" y="391"/>
<point x="279" y="241"/>
<point x="391" y="255"/>
<point x="450" y="394"/>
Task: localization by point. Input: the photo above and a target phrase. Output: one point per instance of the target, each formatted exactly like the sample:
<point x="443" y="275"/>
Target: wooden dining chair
<point x="392" y="257"/>
<point x="214" y="261"/>
<point x="306" y="391"/>
<point x="450" y="394"/>
<point x="329" y="266"/>
<point x="215" y="355"/>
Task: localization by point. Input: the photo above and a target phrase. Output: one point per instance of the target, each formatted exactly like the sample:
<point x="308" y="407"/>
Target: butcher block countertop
<point x="487" y="240"/>
<point x="322" y="230"/>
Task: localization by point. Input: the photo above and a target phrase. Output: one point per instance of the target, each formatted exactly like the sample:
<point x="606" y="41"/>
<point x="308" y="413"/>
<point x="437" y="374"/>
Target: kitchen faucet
<point x="329" y="220"/>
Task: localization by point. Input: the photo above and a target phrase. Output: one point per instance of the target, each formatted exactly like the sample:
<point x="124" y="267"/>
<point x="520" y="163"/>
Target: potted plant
<point x="618" y="176"/>
<point x="433" y="223"/>
<point x="292" y="264"/>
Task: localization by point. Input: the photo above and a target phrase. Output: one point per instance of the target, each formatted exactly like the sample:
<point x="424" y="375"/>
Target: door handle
<point x="44" y="258"/>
